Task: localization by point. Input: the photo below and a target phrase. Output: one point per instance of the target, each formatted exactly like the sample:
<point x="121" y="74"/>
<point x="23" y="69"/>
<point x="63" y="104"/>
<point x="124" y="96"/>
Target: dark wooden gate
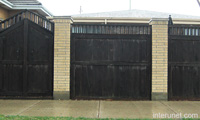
<point x="184" y="62"/>
<point x="26" y="58"/>
<point x="111" y="61"/>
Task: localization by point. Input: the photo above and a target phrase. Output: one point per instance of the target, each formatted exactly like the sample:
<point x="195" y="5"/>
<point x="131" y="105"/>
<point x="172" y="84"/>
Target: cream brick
<point x="159" y="55"/>
<point x="4" y="13"/>
<point x="62" y="55"/>
<point x="157" y="90"/>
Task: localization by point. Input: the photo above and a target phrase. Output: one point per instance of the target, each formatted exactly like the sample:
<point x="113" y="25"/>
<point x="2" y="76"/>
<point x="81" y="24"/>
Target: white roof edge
<point x="62" y="17"/>
<point x="46" y="11"/>
<point x="27" y="6"/>
<point x="110" y="18"/>
<point x="7" y="3"/>
<point x="133" y="20"/>
<point x="130" y="18"/>
<point x="185" y="19"/>
<point x="160" y="19"/>
<point x="37" y="7"/>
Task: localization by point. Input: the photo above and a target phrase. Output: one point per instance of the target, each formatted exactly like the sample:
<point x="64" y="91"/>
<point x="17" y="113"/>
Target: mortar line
<point x="198" y="104"/>
<point x="99" y="108"/>
<point x="137" y="108"/>
<point x="169" y="107"/>
<point x="28" y="107"/>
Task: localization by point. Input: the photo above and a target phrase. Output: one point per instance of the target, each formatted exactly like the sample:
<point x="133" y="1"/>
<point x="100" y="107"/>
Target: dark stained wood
<point x="1" y="67"/>
<point x="12" y="52"/>
<point x="184" y="30"/>
<point x="39" y="60"/>
<point x="184" y="82"/>
<point x="26" y="61"/>
<point x="111" y="65"/>
<point x="25" y="67"/>
<point x="111" y="29"/>
<point x="115" y="82"/>
<point x="184" y="64"/>
<point x="32" y="16"/>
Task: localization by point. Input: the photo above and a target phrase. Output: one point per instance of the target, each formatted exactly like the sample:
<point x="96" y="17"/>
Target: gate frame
<point x="100" y="36"/>
<point x="177" y="32"/>
<point x="24" y="95"/>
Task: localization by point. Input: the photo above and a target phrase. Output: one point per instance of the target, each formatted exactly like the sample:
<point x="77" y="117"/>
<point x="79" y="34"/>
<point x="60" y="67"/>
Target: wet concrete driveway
<point x="101" y="109"/>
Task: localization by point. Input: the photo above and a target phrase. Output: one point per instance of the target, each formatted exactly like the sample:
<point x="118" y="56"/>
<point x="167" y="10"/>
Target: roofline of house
<point x="62" y="17"/>
<point x="46" y="11"/>
<point x="7" y="3"/>
<point x="35" y="7"/>
<point x="129" y="20"/>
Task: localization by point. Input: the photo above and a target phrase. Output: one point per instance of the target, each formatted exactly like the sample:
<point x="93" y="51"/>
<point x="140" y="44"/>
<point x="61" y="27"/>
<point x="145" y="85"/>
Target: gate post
<point x="159" y="59"/>
<point x="62" y="57"/>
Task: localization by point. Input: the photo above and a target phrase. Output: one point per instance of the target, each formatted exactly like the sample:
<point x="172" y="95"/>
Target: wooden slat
<point x="40" y="20"/>
<point x="187" y="30"/>
<point x="111" y="29"/>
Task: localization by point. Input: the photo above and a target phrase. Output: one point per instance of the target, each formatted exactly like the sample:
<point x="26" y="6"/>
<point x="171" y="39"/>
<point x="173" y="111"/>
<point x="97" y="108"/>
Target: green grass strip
<point x="10" y="117"/>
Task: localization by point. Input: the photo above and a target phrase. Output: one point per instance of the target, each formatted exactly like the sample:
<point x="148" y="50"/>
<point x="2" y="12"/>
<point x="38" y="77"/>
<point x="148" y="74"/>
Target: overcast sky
<point x="70" y="7"/>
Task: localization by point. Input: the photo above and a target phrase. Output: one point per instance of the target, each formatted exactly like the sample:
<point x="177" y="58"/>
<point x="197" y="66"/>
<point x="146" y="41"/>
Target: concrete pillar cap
<point x="160" y="21"/>
<point x="61" y="18"/>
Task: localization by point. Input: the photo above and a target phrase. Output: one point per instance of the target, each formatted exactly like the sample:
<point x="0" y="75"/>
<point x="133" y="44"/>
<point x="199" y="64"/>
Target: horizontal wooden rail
<point x="111" y="29"/>
<point x="185" y="30"/>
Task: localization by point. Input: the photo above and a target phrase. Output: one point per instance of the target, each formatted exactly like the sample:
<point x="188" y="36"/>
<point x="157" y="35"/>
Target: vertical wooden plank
<point x="198" y="83"/>
<point x="31" y="16"/>
<point x="17" y="18"/>
<point x="1" y="67"/>
<point x="14" y="20"/>
<point x="5" y="24"/>
<point x="50" y="79"/>
<point x="198" y="31"/>
<point x="182" y="31"/>
<point x="121" y="79"/>
<point x="34" y="19"/>
<point x="22" y="16"/>
<point x="52" y="27"/>
<point x="25" y="60"/>
<point x="1" y="48"/>
<point x="171" y="30"/>
<point x="194" y="31"/>
<point x="1" y="27"/>
<point x="9" y="22"/>
<point x="73" y="92"/>
<point x="189" y="31"/>
<point x="72" y="66"/>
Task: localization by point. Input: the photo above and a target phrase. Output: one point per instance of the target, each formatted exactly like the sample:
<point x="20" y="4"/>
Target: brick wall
<point x="14" y="12"/>
<point x="159" y="58"/>
<point x="62" y="54"/>
<point x="3" y="13"/>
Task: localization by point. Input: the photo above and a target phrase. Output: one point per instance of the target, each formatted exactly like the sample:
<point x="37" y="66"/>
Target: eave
<point x="40" y="8"/>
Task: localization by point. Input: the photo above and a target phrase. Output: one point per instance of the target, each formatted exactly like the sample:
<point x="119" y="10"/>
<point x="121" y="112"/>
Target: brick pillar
<point x="159" y="59"/>
<point x="62" y="57"/>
